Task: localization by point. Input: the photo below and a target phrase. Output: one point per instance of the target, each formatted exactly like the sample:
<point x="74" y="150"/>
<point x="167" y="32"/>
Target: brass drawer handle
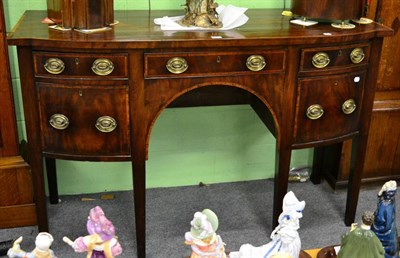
<point x="54" y="66"/>
<point x="106" y="124"/>
<point x="315" y="111"/>
<point x="177" y="65"/>
<point x="255" y="63"/>
<point x="102" y="66"/>
<point x="349" y="106"/>
<point x="320" y="60"/>
<point x="59" y="121"/>
<point x="357" y="55"/>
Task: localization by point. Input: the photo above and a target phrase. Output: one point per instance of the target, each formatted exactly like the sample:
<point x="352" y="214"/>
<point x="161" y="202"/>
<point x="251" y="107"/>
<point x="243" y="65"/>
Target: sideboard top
<point x="136" y="29"/>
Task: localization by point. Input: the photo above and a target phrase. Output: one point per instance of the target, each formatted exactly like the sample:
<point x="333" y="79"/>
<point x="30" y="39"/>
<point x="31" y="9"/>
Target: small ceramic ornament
<point x="361" y="241"/>
<point x="384" y="224"/>
<point x="101" y="241"/>
<point x="42" y="250"/>
<point x="285" y="239"/>
<point x="202" y="237"/>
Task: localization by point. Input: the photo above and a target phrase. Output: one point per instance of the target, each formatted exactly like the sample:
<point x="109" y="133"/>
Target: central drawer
<point x="194" y="64"/>
<point x="84" y="120"/>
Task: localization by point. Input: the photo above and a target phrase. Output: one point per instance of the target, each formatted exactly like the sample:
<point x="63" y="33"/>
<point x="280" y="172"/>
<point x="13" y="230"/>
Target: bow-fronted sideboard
<point x="97" y="96"/>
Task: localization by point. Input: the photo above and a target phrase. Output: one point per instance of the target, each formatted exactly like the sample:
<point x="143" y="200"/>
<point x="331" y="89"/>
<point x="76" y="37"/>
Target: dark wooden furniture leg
<point x="318" y="165"/>
<point x="140" y="206"/>
<point x="32" y="125"/>
<point x="139" y="190"/>
<point x="52" y="180"/>
<point x="360" y="142"/>
<point x="36" y="163"/>
<point x="326" y="160"/>
<point x="282" y="166"/>
<point x="357" y="161"/>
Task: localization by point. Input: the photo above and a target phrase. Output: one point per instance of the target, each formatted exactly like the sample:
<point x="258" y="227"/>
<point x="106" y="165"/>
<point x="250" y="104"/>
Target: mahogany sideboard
<point x="96" y="97"/>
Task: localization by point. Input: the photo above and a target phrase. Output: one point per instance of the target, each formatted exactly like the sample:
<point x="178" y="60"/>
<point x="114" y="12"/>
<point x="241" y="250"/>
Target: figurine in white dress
<point x="284" y="239"/>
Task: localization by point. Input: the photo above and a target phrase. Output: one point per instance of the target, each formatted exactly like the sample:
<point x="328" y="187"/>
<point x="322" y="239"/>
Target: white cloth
<point x="230" y="16"/>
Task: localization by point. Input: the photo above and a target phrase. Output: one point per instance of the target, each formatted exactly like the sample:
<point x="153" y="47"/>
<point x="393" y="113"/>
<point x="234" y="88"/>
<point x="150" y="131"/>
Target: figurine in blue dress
<point x="384" y="224"/>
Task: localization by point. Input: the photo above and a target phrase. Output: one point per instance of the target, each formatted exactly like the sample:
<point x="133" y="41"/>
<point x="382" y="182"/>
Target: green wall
<point x="187" y="145"/>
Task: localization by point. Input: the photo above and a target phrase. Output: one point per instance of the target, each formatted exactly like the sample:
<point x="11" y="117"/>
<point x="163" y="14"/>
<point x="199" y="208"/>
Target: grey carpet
<point x="244" y="210"/>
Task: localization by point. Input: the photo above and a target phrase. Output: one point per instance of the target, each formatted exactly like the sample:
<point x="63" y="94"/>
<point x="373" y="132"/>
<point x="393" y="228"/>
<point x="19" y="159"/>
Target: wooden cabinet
<point x="17" y="207"/>
<point x="383" y="152"/>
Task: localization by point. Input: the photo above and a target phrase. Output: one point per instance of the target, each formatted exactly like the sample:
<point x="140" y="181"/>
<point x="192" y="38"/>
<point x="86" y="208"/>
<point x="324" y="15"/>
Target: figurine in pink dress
<point x="202" y="237"/>
<point x="101" y="241"/>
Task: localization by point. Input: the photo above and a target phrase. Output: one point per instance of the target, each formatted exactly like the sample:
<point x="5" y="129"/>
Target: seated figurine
<point x="202" y="237"/>
<point x="43" y="242"/>
<point x="285" y="238"/>
<point x="101" y="241"/>
<point x="362" y="241"/>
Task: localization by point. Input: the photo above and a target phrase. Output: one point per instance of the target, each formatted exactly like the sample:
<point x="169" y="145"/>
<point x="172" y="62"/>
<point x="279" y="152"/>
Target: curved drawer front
<point x="329" y="58"/>
<point x="193" y="64"/>
<point x="84" y="120"/>
<point x="328" y="107"/>
<point x="77" y="65"/>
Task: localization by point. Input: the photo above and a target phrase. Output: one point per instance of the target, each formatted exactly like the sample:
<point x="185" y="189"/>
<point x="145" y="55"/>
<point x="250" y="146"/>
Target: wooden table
<point x="97" y="96"/>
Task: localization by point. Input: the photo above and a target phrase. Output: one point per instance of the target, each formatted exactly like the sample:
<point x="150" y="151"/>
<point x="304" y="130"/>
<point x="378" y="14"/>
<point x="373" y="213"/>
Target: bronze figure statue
<point x="201" y="13"/>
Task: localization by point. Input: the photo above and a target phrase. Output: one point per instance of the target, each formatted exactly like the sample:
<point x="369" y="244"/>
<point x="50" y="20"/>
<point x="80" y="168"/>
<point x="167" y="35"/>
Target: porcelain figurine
<point x="384" y="224"/>
<point x="42" y="250"/>
<point x="203" y="238"/>
<point x="101" y="241"/>
<point x="362" y="241"/>
<point x="284" y="239"/>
